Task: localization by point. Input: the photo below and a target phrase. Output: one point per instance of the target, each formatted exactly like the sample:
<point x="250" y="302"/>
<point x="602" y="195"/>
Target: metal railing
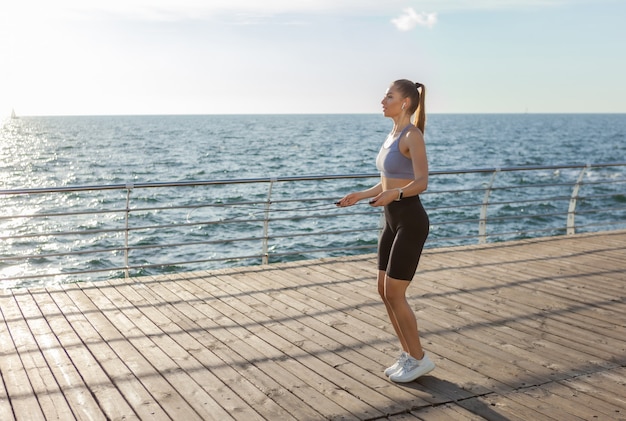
<point x="65" y="234"/>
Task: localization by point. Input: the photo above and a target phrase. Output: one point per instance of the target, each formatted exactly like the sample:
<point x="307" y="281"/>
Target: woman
<point x="404" y="175"/>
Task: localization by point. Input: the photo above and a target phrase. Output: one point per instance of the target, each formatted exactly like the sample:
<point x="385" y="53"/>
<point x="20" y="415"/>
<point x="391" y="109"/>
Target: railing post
<point x="266" y="223"/>
<point x="129" y="188"/>
<point x="571" y="211"/>
<point x="482" y="223"/>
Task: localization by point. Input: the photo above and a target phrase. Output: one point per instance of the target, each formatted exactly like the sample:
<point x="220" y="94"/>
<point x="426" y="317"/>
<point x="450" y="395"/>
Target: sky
<point x="111" y="57"/>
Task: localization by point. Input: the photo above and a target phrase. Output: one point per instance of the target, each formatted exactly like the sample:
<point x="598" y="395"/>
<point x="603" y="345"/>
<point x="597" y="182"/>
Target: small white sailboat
<point x="13" y="115"/>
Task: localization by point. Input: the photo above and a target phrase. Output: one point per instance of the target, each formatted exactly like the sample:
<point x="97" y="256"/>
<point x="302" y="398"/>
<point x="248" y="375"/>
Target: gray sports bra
<point x="390" y="161"/>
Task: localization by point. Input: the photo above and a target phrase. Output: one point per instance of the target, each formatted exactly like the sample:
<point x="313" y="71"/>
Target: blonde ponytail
<point x="420" y="113"/>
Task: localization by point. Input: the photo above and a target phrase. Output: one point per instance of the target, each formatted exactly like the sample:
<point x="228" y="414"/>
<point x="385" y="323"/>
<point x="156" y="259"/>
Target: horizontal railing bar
<point x="192" y="224"/>
<point x="455" y="221"/>
<point x="72" y="273"/>
<point x="328" y="200"/>
<point x="64" y="233"/>
<point x="492" y="235"/>
<point x="507" y="187"/>
<point x="69" y="253"/>
<point x="603" y="210"/>
<point x="531" y="186"/>
<point x="433" y="239"/>
<point x="153" y="227"/>
<point x="192" y="243"/>
<point x="602" y="224"/>
<point x="131" y="186"/>
<point x="313" y="234"/>
<point x="518" y="232"/>
<point x="187" y="262"/>
<point x="317" y="216"/>
<point x="512" y="217"/>
<point x="524" y="186"/>
<point x="482" y="189"/>
<point x="193" y="207"/>
<point x="235" y="240"/>
<point x="245" y="239"/>
<point x="135" y="267"/>
<point x="593" y="183"/>
<point x="55" y="214"/>
<point x="322" y="250"/>
<point x="455" y="206"/>
<point x="523" y="201"/>
<point x="239" y="205"/>
<point x="597" y="196"/>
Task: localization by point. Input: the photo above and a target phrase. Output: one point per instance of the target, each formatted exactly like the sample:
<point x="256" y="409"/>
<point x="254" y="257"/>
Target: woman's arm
<point x="354" y="198"/>
<point x="417" y="152"/>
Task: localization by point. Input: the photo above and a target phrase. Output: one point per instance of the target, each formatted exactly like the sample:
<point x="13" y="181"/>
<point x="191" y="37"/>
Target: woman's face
<point x="392" y="102"/>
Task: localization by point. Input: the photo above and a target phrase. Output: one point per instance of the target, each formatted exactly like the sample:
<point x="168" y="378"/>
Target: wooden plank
<point x="283" y="334"/>
<point x="445" y="412"/>
<point x="250" y="402"/>
<point x="601" y="409"/>
<point x="219" y="399"/>
<point x="521" y="303"/>
<point x="159" y="375"/>
<point x="612" y="383"/>
<point x="196" y="315"/>
<point x="6" y="411"/>
<point x="115" y="355"/>
<point x="497" y="317"/>
<point x="107" y="396"/>
<point x="31" y="385"/>
<point x="308" y="385"/>
<point x="557" y="289"/>
<point x="166" y="356"/>
<point x="20" y="399"/>
<point x="504" y="406"/>
<point x="544" y="406"/>
<point x="564" y="320"/>
<point x="502" y="365"/>
<point x="593" y="386"/>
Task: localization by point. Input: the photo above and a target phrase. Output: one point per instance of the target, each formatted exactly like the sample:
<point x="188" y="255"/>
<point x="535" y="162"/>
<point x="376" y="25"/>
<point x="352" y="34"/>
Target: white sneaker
<point x="390" y="370"/>
<point x="411" y="369"/>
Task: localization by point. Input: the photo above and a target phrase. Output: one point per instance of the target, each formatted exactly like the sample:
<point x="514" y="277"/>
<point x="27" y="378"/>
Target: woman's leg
<point x="392" y="317"/>
<point x="401" y="314"/>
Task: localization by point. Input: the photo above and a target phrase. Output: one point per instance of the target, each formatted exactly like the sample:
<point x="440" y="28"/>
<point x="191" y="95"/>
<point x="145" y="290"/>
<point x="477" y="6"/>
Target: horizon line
<point x="309" y="114"/>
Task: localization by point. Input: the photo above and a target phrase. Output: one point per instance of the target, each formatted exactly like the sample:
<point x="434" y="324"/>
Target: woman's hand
<point x="384" y="198"/>
<point x="349" y="200"/>
<point x="354" y="198"/>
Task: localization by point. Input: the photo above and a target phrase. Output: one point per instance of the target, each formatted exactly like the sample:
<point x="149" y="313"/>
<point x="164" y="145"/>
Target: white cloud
<point x="410" y="19"/>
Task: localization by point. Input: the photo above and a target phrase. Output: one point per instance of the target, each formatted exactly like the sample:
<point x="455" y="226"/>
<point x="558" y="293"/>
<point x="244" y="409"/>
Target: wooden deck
<point x="526" y="330"/>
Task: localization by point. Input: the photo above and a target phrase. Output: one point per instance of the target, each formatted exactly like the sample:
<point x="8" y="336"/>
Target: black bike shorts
<point x="402" y="240"/>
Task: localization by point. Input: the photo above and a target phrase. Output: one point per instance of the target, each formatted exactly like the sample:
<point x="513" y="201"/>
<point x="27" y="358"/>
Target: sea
<point x="42" y="152"/>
